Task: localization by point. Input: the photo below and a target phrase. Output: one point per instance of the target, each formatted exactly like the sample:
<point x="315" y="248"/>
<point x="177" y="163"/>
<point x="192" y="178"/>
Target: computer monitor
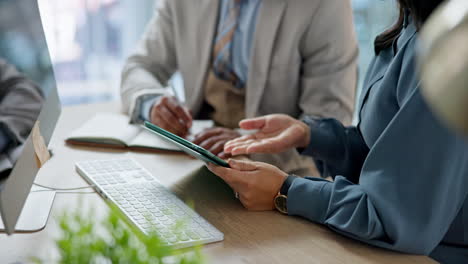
<point x="29" y="110"/>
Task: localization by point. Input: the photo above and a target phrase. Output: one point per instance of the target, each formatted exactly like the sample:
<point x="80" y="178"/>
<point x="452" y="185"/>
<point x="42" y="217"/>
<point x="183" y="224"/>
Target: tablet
<point x="186" y="146"/>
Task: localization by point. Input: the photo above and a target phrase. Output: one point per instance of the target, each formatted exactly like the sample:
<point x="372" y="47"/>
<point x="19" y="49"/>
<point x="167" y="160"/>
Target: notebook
<point x="110" y="130"/>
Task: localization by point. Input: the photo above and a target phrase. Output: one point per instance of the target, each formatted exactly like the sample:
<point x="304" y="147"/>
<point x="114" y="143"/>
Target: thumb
<point x="242" y="165"/>
<point x="253" y="123"/>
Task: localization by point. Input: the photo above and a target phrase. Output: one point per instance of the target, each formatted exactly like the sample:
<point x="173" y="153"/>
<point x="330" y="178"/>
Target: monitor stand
<point x="35" y="212"/>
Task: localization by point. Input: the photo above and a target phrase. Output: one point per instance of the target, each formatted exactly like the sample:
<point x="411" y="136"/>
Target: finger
<point x="169" y="126"/>
<point x="163" y="124"/>
<point x="242" y="165"/>
<point x="240" y="151"/>
<point x="165" y="118"/>
<point x="172" y="119"/>
<point x="217" y="147"/>
<point x="179" y="112"/>
<point x="206" y="134"/>
<point x="211" y="142"/>
<point x="157" y="121"/>
<point x="243" y="149"/>
<point x="223" y="155"/>
<point x="224" y="175"/>
<point x="264" y="146"/>
<point x="240" y="147"/>
<point x="230" y="176"/>
<point x="238" y="141"/>
<point x="254" y="123"/>
<point x="258" y="146"/>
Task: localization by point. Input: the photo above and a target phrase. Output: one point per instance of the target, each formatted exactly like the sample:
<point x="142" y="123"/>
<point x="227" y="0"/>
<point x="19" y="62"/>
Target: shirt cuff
<point x="144" y="105"/>
<point x="309" y="198"/>
<point x="318" y="138"/>
<point x="4" y="139"/>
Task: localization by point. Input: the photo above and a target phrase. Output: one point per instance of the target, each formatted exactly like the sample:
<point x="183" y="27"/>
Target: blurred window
<point x="371" y="17"/>
<point x="90" y="39"/>
<point x="22" y="42"/>
<point x="88" y="42"/>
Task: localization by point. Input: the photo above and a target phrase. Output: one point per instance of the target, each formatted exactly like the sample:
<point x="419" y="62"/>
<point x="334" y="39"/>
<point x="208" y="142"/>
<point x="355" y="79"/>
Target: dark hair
<point x="420" y="10"/>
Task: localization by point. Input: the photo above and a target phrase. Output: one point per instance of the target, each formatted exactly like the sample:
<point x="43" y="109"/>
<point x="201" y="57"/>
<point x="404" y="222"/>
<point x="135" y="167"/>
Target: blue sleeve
<point x="4" y="139"/>
<point x="412" y="186"/>
<point x="337" y="150"/>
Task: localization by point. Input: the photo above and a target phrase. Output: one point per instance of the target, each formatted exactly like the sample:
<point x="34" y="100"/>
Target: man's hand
<point x="256" y="183"/>
<point x="213" y="140"/>
<point x="276" y="133"/>
<point x="168" y="114"/>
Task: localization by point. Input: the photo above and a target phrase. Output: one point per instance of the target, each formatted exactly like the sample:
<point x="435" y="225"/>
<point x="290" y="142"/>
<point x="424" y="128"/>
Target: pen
<point x="179" y="100"/>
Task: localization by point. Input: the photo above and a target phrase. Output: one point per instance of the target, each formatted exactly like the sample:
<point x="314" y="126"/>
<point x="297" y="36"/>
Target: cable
<point x="76" y="192"/>
<point x="63" y="192"/>
<point x="64" y="189"/>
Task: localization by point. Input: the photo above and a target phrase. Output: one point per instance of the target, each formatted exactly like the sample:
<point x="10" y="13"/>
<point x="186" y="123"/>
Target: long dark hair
<point x="420" y="10"/>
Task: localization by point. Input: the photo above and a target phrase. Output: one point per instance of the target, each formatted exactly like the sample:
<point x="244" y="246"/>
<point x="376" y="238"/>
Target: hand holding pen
<point x="169" y="114"/>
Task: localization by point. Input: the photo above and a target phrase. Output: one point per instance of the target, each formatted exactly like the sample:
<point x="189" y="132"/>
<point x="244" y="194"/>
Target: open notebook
<point x="110" y="130"/>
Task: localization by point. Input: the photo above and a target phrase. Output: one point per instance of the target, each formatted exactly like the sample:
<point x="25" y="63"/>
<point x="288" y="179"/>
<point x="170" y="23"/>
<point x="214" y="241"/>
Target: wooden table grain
<point x="250" y="237"/>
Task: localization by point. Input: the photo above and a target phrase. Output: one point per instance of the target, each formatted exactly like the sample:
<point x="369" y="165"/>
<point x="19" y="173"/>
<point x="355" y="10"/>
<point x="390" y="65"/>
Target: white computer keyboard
<point x="148" y="204"/>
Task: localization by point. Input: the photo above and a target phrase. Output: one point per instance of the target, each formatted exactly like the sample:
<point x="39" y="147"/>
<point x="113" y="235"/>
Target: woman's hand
<point x="256" y="183"/>
<point x="276" y="133"/>
<point x="214" y="139"/>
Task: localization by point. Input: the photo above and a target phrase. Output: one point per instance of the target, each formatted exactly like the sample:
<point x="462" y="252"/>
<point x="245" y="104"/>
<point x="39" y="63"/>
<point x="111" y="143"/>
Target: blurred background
<point x="22" y="42"/>
<point x="90" y="39"/>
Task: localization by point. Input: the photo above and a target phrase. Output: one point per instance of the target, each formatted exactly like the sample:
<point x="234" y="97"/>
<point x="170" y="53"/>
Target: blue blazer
<point x="401" y="177"/>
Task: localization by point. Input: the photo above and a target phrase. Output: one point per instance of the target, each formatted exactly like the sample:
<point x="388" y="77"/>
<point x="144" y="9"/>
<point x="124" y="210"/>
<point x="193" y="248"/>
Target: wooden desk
<point x="250" y="237"/>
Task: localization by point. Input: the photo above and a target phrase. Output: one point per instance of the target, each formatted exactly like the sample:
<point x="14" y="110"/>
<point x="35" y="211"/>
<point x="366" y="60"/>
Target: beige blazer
<point x="303" y="60"/>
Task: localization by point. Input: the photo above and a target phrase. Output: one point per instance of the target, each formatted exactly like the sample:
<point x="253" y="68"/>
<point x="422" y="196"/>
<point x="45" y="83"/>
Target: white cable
<point x="63" y="192"/>
<point x="64" y="189"/>
<point x="76" y="192"/>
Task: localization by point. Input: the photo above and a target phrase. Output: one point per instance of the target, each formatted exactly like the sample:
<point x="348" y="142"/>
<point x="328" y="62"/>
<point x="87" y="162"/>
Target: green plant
<point x="114" y="241"/>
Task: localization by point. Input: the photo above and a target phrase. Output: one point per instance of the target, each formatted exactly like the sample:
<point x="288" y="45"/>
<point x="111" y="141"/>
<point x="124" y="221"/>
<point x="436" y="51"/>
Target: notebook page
<point x="147" y="139"/>
<point x="106" y="127"/>
<point x="198" y="126"/>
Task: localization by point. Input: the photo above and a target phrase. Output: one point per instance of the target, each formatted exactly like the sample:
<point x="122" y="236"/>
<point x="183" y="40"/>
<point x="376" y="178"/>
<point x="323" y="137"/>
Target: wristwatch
<point x="281" y="200"/>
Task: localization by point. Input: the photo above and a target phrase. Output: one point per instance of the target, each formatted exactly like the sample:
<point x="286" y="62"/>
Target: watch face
<point x="281" y="204"/>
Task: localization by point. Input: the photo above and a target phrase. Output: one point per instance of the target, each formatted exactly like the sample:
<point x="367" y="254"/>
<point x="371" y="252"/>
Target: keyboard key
<point x="126" y="206"/>
<point x="182" y="237"/>
<point x="193" y="235"/>
<point x="150" y="206"/>
<point x="142" y="221"/>
<point x="172" y="239"/>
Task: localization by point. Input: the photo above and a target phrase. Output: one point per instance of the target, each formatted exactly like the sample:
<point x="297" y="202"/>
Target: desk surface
<point x="250" y="237"/>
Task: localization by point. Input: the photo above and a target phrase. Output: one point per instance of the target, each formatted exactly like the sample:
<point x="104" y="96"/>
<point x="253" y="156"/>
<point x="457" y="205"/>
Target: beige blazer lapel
<point x="270" y="18"/>
<point x="208" y="20"/>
